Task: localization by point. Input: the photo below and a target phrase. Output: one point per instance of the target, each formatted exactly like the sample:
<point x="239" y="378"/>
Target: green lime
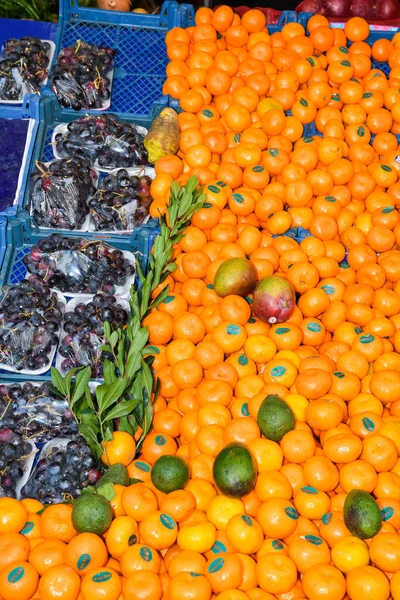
<point x="275" y="418"/>
<point x="91" y="513"/>
<point x="235" y="470"/>
<point x="170" y="473"/>
<point x="362" y="514"/>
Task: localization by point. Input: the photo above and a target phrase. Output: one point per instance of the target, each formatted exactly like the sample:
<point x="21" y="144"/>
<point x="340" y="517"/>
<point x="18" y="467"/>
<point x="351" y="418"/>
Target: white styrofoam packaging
<point x="63" y="128"/>
<point x="44" y="82"/>
<point x="70" y="308"/>
<point x="61" y="298"/>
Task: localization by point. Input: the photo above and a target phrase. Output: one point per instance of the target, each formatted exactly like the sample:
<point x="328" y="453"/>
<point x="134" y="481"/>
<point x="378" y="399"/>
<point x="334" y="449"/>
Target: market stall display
<point x="241" y="441"/>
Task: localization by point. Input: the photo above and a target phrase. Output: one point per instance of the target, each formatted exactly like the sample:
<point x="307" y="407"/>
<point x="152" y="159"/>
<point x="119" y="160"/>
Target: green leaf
<point x="58" y="381"/>
<point x="113" y="339"/>
<point x="123" y="409"/>
<point x="132" y="481"/>
<point x="112" y="393"/>
<point x="160" y="298"/>
<point x="126" y="425"/>
<point x="106" y="490"/>
<point x="69" y="376"/>
<point x="107" y="330"/>
<point x="81" y="384"/>
<point x="91" y="436"/>
<point x="89" y="490"/>
<point x="109" y="372"/>
<point x="132" y="366"/>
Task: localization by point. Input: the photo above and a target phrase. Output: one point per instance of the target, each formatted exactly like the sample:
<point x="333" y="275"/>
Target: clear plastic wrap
<point x="104" y="140"/>
<point x="16" y="460"/>
<point x="30" y="320"/>
<point x="80" y="266"/>
<point x="60" y="192"/>
<point x="24" y="67"/>
<point x="82" y="76"/>
<point x="65" y="467"/>
<point x="122" y="202"/>
<point x="34" y="412"/>
<point x="83" y="331"/>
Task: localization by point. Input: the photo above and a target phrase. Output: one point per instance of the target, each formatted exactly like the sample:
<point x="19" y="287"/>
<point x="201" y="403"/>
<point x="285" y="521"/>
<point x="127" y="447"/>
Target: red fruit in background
<point x="361" y="8"/>
<point x="311" y="6"/>
<point x="274" y="299"/>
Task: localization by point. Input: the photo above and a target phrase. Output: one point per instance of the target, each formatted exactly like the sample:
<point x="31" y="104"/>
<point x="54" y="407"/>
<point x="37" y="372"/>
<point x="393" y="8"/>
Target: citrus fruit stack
<point x="261" y="516"/>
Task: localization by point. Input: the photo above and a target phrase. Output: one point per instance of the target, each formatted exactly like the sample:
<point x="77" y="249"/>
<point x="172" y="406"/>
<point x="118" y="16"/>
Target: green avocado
<point x="235" y="470"/>
<point x="275" y="418"/>
<point x="362" y="514"/>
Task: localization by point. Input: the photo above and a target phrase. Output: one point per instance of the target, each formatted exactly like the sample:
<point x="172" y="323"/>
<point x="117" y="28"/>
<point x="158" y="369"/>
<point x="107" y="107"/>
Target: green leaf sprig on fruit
<point x="125" y="400"/>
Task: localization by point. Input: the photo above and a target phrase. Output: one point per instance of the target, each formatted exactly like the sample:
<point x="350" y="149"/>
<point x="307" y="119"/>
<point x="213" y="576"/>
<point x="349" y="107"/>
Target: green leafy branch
<point x="125" y="400"/>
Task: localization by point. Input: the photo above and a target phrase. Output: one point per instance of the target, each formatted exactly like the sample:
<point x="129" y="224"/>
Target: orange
<point x="384" y="552"/>
<point x="138" y="500"/>
<point x="224" y="573"/>
<point x="47" y="554"/>
<point x="122" y="533"/>
<point x="139" y="558"/>
<point x="158" y="530"/>
<point x="276" y="573"/>
<point x="356" y="29"/>
<point x="18" y="580"/>
<point x="57" y="523"/>
<point x="142" y="584"/>
<point x="13" y="515"/>
<point x="277" y="517"/>
<point x="308" y="551"/>
<point x="101" y="583"/>
<point x="189" y="585"/>
<point x="379" y="451"/>
<point x="244" y="533"/>
<point x="85" y="551"/>
<point x="59" y="582"/>
<point x="197" y="536"/>
<point x="121" y="449"/>
<point x="367" y="582"/>
<point x="14" y="547"/>
<point x="322" y="580"/>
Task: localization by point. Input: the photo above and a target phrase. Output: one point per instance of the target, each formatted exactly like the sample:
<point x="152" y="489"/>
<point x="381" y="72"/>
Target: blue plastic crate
<point x="16" y="240"/>
<point x="50" y="116"/>
<point x="141" y="53"/>
<point x="28" y="110"/>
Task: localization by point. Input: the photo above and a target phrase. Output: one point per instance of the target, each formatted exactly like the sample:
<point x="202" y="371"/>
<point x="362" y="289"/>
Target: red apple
<point x="274" y="299"/>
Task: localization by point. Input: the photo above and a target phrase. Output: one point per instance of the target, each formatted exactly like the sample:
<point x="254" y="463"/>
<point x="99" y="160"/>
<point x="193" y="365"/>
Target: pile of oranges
<point x="336" y="361"/>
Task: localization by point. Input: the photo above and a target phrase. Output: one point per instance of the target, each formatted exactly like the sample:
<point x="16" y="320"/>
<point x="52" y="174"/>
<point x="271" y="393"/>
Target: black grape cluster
<point x="122" y="202"/>
<point x="79" y="77"/>
<point x="30" y="318"/>
<point x="34" y="412"/>
<point x="23" y="68"/>
<point x="84" y="329"/>
<point x="13" y="454"/>
<point x="74" y="265"/>
<point x="106" y="139"/>
<point x="59" y="193"/>
<point x="62" y="472"/>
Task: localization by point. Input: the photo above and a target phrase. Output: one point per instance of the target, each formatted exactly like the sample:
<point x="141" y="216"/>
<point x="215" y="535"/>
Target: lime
<point x="275" y="418"/>
<point x="91" y="513"/>
<point x="362" y="514"/>
<point x="169" y="473"/>
<point x="235" y="470"/>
